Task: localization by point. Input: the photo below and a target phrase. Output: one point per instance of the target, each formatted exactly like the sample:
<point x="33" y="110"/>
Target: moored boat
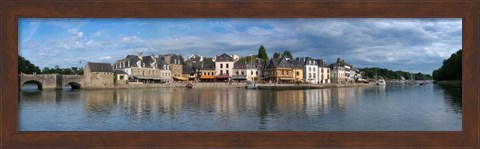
<point x="251" y="85"/>
<point x="189" y="85"/>
<point x="381" y="81"/>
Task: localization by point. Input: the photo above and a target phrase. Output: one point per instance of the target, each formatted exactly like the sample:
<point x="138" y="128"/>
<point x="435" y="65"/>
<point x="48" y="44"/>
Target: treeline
<point x="26" y="67"/>
<point x="451" y="68"/>
<point x="370" y="73"/>
<point x="58" y="70"/>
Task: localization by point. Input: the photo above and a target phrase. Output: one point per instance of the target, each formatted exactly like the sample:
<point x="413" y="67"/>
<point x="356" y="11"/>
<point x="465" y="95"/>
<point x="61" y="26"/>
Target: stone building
<point x="98" y="75"/>
<point x="165" y="72"/>
<point x="239" y="71"/>
<point x="175" y="63"/>
<point x="340" y="71"/>
<point x="121" y="77"/>
<point x="140" y="68"/>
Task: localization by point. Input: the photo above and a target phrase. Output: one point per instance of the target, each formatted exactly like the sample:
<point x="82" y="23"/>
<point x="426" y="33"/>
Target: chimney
<point x="140" y="55"/>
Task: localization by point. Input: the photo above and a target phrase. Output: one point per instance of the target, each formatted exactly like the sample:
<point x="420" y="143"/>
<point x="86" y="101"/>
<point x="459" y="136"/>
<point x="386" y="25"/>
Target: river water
<point x="395" y="107"/>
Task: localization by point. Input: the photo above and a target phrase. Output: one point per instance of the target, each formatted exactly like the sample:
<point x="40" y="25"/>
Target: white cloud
<point x="258" y="31"/>
<point x="132" y="39"/>
<point x="76" y="32"/>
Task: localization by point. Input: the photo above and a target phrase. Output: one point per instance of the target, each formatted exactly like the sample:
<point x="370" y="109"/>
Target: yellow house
<point x="297" y="70"/>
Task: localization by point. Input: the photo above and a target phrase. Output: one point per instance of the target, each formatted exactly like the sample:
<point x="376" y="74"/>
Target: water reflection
<point x="370" y="108"/>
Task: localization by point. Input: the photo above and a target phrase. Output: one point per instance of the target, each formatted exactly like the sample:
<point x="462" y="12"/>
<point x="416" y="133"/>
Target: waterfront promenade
<point x="220" y="85"/>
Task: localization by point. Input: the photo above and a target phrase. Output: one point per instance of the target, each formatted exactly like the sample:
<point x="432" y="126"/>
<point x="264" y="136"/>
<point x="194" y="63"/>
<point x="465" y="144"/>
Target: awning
<point x="207" y="77"/>
<point x="222" y="77"/>
<point x="239" y="77"/>
<point x="181" y="78"/>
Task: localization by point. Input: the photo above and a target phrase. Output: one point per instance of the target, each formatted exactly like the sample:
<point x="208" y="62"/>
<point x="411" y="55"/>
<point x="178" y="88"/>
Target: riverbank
<point x="451" y="83"/>
<point x="213" y="85"/>
<point x="309" y="86"/>
<point x="219" y="85"/>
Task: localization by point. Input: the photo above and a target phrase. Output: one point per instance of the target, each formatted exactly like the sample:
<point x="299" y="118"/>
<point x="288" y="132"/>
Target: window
<point x="251" y="72"/>
<point x="221" y="72"/>
<point x="309" y="75"/>
<point x="121" y="77"/>
<point x="221" y="65"/>
<point x="309" y="68"/>
<point x="313" y="68"/>
<point x="314" y="76"/>
<point x="298" y="73"/>
<point x="227" y="67"/>
<point x="321" y="70"/>
<point x="227" y="70"/>
<point x="256" y="72"/>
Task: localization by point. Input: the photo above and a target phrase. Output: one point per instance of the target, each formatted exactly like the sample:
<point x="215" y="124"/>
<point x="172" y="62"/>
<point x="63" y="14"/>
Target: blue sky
<point x="417" y="45"/>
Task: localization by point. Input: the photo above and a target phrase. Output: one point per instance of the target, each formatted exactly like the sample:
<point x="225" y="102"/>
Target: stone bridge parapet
<point x="51" y="81"/>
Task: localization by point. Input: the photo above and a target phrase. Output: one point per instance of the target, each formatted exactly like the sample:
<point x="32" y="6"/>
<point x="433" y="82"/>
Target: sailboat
<point x="412" y="80"/>
<point x="380" y="81"/>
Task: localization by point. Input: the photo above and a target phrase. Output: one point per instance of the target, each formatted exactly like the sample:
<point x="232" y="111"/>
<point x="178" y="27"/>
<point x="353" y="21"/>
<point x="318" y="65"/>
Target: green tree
<point x="25" y="66"/>
<point x="287" y="53"/>
<point x="451" y="68"/>
<point x="276" y="55"/>
<point x="262" y="53"/>
<point x="372" y="73"/>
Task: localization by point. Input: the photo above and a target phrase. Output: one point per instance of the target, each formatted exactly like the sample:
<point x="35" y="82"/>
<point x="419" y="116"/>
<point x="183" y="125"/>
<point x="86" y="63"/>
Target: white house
<point x="323" y="72"/>
<point x="310" y="69"/>
<point x="254" y="70"/>
<point x="224" y="65"/>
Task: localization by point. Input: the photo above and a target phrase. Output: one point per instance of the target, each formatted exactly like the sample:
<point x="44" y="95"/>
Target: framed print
<point x="239" y="74"/>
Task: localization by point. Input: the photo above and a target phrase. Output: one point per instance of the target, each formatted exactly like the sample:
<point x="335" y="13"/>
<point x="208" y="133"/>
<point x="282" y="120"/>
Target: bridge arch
<point x="74" y="85"/>
<point x="39" y="84"/>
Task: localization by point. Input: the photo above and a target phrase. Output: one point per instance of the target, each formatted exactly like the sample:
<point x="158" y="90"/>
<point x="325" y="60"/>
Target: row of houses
<point x="224" y="68"/>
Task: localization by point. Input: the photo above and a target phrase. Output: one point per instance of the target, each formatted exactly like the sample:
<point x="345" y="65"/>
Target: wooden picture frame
<point x="12" y="10"/>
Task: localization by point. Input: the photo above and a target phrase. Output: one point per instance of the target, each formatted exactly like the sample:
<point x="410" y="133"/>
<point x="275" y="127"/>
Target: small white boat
<point x="381" y="81"/>
<point x="251" y="85"/>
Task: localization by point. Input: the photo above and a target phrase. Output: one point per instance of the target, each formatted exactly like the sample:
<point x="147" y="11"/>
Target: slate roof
<point x="160" y="63"/>
<point x="239" y="65"/>
<point x="188" y="70"/>
<point x="339" y="63"/>
<point x="305" y="60"/>
<point x="208" y="65"/>
<point x="224" y="58"/>
<point x="119" y="72"/>
<point x="195" y="58"/>
<point x="255" y="64"/>
<point x="295" y="64"/>
<point x="280" y="62"/>
<point x="132" y="58"/>
<point x="148" y="60"/>
<point x="170" y="58"/>
<point x="100" y="67"/>
<point x="321" y="63"/>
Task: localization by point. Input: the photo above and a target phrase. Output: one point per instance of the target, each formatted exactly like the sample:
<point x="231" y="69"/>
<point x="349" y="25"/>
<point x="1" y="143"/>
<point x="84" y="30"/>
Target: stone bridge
<point x="51" y="81"/>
